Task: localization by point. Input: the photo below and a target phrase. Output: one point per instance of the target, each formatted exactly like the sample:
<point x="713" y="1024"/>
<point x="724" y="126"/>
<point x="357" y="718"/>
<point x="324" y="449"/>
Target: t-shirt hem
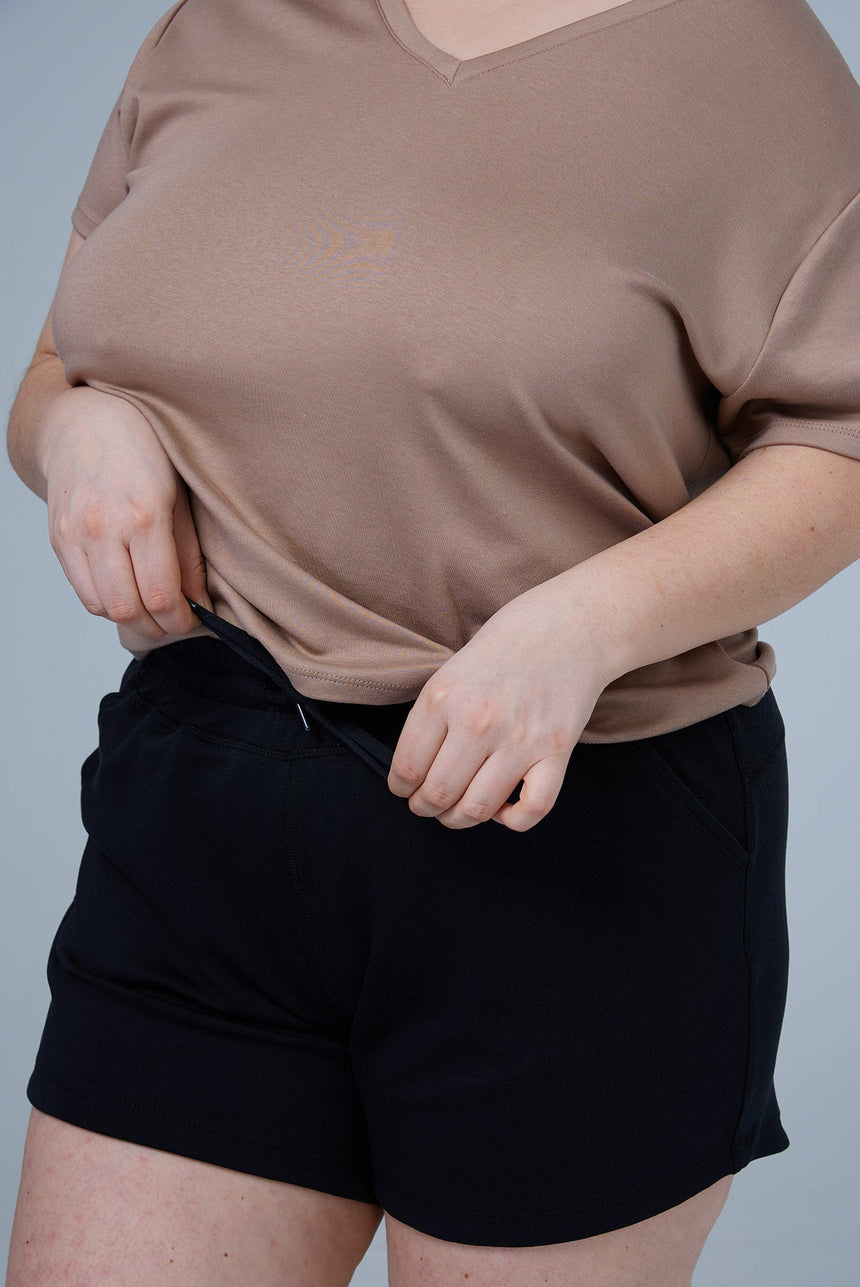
<point x="83" y="222"/>
<point x="844" y="440"/>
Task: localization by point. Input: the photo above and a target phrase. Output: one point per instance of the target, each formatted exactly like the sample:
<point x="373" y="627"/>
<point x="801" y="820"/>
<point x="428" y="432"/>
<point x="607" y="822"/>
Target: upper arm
<point x="105" y="185"/>
<point x="45" y="344"/>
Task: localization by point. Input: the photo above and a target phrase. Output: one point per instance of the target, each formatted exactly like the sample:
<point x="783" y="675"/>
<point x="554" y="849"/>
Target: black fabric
<point x="334" y="716"/>
<point x="270" y="963"/>
<point x="370" y="731"/>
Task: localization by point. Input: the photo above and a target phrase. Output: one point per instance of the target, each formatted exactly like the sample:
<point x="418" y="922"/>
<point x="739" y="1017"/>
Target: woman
<point x="439" y="394"/>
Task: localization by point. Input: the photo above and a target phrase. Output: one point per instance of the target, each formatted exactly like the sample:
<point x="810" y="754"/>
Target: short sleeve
<point x="105" y="185"/>
<point x="804" y="386"/>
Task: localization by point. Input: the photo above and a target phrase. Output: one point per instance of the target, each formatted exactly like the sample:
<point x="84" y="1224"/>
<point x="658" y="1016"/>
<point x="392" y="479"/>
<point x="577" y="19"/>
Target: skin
<point x="94" y="1211"/>
<point x="97" y="1210"/>
<point x="469" y="30"/>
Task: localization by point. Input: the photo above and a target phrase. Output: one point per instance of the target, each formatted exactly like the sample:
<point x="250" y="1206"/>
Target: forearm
<point x="774" y="528"/>
<point x="28" y="436"/>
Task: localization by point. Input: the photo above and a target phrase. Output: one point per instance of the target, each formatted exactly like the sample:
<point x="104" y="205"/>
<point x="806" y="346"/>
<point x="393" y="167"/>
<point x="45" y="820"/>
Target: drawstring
<point x="369" y="748"/>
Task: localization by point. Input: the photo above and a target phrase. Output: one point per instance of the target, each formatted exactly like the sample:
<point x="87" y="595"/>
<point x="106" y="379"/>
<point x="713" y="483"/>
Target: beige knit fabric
<point x="421" y="333"/>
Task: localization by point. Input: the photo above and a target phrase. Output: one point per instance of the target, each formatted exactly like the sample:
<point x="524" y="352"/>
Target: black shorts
<point x="503" y="1038"/>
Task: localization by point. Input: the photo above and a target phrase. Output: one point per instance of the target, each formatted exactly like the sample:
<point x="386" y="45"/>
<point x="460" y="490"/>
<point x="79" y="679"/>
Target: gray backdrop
<point x="790" y="1219"/>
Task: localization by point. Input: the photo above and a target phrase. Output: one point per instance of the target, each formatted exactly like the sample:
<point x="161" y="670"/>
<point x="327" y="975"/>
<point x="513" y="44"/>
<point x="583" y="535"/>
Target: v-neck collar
<point x="399" y="21"/>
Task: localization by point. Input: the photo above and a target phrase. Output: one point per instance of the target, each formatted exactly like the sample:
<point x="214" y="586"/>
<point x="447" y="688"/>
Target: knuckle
<point x="478" y="722"/>
<point x="438" y="796"/>
<point x="92" y="523"/>
<point x="436" y="695"/>
<point x="531" y="816"/>
<point x="157" y="600"/>
<point x="143" y="516"/>
<point x="537" y="805"/>
<point x="407" y="773"/>
<point x="479" y="811"/>
<point x="123" y="613"/>
<point x="61" y="532"/>
<point x="95" y="609"/>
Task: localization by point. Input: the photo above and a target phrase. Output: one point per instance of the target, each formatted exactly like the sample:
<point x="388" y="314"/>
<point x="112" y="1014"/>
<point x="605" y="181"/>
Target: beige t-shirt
<point x="420" y="333"/>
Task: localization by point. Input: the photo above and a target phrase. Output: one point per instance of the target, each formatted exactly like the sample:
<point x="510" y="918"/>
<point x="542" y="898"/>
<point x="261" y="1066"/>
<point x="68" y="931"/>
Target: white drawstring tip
<point x="301" y="712"/>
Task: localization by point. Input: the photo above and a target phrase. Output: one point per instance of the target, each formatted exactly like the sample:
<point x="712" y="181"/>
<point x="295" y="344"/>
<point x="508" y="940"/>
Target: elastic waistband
<point x="371" y="731"/>
<point x="202" y="655"/>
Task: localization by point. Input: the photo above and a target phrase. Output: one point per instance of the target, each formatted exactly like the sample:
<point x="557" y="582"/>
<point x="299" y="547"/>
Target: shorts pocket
<point x="697" y="769"/>
<point x="184" y="895"/>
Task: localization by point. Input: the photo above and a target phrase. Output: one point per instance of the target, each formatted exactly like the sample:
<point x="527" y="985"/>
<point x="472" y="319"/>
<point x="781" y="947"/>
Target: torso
<point x="470" y="29"/>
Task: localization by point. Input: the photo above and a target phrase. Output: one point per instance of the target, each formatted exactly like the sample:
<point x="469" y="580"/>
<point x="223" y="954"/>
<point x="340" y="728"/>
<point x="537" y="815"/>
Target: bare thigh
<point x="659" y="1252"/>
<point x="97" y="1210"/>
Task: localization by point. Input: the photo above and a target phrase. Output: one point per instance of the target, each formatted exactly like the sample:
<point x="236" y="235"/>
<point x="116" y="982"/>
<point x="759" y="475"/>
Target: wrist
<point x="71" y="408"/>
<point x="575" y="628"/>
<point x="50" y="426"/>
<point x="593" y="630"/>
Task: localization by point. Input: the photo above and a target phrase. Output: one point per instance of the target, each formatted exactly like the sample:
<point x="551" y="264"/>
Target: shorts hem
<point x="185" y="1137"/>
<point x="544" y="1227"/>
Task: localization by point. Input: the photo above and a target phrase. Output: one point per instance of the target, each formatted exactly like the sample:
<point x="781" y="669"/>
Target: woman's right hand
<point x="119" y="519"/>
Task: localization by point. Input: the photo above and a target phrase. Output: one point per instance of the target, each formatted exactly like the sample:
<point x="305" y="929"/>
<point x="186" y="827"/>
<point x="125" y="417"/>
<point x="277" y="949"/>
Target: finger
<point x="192" y="564"/>
<point x="116" y="587"/>
<point x="458" y="760"/>
<point x="76" y="567"/>
<point x="541" y="786"/>
<point x="488" y="790"/>
<point x="423" y="732"/>
<point x="155" y="560"/>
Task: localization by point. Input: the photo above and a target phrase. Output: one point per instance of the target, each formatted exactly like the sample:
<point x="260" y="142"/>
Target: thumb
<point x="192" y="564"/>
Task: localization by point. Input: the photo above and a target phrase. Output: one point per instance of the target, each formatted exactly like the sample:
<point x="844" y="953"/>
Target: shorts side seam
<point x="737" y="1139"/>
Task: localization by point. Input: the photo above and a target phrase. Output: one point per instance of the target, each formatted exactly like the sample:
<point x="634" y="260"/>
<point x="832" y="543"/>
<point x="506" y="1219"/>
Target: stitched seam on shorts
<point x="767" y="761"/>
<point x="181" y="1120"/>
<point x="298" y="884"/>
<point x="739" y="860"/>
<point x="754" y="1133"/>
<point x="736" y="1137"/>
<point x="733" y="734"/>
<point x="252" y="748"/>
<point x="769" y="755"/>
<point x="176" y="935"/>
<point x="757" y="1130"/>
<point x="186" y="1006"/>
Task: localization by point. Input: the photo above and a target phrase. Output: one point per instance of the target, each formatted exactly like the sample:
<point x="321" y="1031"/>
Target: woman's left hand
<point x="509" y="706"/>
